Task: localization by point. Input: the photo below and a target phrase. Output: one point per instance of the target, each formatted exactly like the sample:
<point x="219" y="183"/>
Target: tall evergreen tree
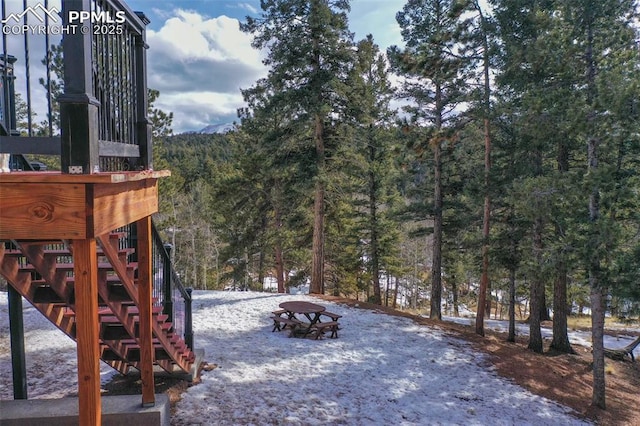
<point x="431" y="61"/>
<point x="481" y="46"/>
<point x="369" y="105"/>
<point x="270" y="161"/>
<point x="309" y="50"/>
<point x="528" y="82"/>
<point x="605" y="51"/>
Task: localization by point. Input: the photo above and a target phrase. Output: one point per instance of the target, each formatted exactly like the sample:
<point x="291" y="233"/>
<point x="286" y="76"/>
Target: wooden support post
<point x="87" y="331"/>
<point x="145" y="287"/>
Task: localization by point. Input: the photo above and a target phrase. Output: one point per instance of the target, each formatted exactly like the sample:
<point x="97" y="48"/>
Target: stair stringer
<point x="173" y="345"/>
<point x="61" y="315"/>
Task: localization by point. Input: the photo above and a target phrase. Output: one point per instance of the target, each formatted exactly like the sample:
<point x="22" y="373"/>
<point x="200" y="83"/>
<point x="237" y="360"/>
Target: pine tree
<point x="603" y="38"/>
<point x="270" y="162"/>
<point x="309" y="51"/>
<point x="528" y="82"/>
<point x="431" y="30"/>
<point x="481" y="34"/>
<point x="372" y="116"/>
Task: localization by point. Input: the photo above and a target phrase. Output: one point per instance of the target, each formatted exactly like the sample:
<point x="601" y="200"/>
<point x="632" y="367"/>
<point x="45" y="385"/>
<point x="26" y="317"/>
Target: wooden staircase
<point x="43" y="273"/>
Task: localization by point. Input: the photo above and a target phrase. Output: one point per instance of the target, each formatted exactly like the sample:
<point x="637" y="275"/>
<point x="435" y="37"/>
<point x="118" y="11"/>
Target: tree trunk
<point x="537" y="287"/>
<point x="395" y="295"/>
<point x="317" y="267"/>
<point x="278" y="254"/>
<point x="512" y="305"/>
<point x="386" y="292"/>
<point x="279" y="268"/>
<point x="598" y="297"/>
<point x="485" y="284"/>
<point x="436" y="269"/>
<point x="544" y="311"/>
<point x="454" y="291"/>
<point x="373" y="224"/>
<point x="598" y="293"/>
<point x="195" y="256"/>
<point x="560" y="340"/>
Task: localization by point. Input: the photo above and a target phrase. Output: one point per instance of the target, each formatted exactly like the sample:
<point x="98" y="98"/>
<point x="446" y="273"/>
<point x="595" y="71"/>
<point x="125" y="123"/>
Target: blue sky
<point x="199" y="59"/>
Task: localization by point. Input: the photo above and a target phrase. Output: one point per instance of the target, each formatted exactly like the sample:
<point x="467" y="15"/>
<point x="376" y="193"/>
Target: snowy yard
<point x="382" y="370"/>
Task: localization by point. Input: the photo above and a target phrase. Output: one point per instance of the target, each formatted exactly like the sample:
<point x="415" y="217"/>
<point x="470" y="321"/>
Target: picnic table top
<point x="301" y="307"/>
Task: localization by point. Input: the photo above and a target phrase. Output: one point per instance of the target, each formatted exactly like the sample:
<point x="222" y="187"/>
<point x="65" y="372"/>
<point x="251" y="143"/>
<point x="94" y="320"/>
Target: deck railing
<point x="105" y="92"/>
<point x="169" y="291"/>
<point x="103" y="108"/>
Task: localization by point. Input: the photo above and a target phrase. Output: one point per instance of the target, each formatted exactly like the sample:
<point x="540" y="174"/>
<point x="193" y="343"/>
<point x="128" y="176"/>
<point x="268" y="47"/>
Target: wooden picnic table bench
<point x="319" y="328"/>
<point x="279" y="322"/>
<point x="334" y="317"/>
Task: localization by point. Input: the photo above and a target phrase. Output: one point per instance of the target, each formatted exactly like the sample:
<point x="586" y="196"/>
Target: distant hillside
<point x="196" y="148"/>
<point x="217" y="128"/>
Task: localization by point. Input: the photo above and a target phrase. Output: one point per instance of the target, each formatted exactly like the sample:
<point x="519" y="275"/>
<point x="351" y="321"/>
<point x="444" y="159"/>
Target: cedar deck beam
<point x="52" y="205"/>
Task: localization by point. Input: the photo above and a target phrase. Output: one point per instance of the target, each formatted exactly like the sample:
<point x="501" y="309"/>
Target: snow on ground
<point x="382" y="370"/>
<point x="576" y="337"/>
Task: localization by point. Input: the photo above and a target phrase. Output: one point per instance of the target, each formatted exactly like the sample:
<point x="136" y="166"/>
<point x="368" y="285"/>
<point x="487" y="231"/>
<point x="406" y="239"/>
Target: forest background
<point x="527" y="116"/>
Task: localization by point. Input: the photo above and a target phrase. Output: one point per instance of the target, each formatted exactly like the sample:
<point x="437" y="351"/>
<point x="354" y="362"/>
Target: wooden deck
<point x="82" y="209"/>
<point x="53" y="205"/>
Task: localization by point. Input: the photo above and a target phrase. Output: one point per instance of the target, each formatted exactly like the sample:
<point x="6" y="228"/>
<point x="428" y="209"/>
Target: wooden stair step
<point x="116" y="331"/>
<point x="133" y="351"/>
<point x="118" y="292"/>
<point x="39" y="242"/>
<point x="155" y="310"/>
<point x="13" y="253"/>
<point x="69" y="266"/>
<point x="43" y="293"/>
<point x="111" y="279"/>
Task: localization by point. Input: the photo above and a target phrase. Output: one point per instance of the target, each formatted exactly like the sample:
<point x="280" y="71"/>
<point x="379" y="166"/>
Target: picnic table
<point x="289" y="315"/>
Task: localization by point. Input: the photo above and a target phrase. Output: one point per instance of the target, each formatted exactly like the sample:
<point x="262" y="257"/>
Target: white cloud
<point x="195" y="110"/>
<point x="199" y="65"/>
<point x="248" y="7"/>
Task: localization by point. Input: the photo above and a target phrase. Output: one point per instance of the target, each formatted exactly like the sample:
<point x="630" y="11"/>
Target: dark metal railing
<point x="168" y="290"/>
<point x="105" y="93"/>
<point x="103" y="109"/>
